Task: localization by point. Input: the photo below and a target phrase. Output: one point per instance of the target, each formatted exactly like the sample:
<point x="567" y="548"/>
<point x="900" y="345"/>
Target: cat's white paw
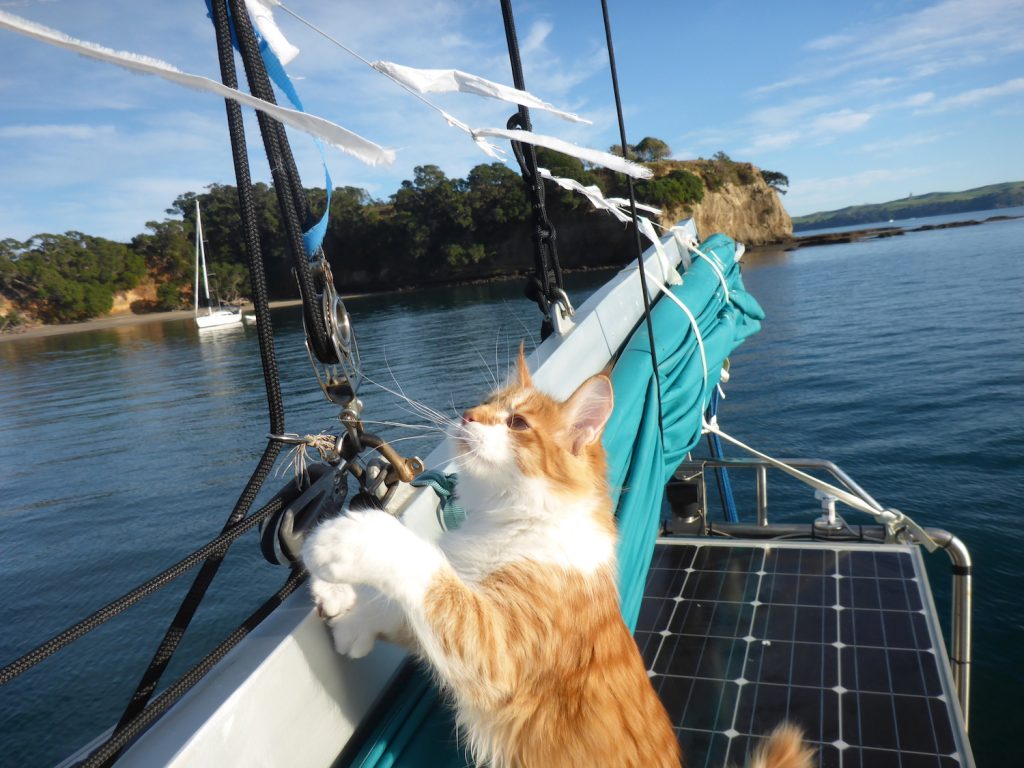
<point x="368" y="617"/>
<point x="352" y="635"/>
<point x="355" y="548"/>
<point x="331" y="600"/>
<point x="376" y="549"/>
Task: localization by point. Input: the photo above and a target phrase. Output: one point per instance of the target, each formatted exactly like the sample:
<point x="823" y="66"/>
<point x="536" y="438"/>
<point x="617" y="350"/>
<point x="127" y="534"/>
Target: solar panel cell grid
<point x="739" y="637"/>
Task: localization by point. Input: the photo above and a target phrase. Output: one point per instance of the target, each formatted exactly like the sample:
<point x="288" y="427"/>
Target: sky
<point x="856" y="102"/>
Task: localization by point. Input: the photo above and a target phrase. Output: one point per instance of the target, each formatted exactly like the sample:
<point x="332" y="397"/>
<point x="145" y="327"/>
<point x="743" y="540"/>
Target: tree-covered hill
<point x="990" y="197"/>
<point x="433" y="229"/>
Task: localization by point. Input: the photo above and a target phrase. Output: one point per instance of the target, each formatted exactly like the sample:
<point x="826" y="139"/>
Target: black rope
<point x="545" y="285"/>
<point x="108" y="751"/>
<point x="197" y="591"/>
<point x="291" y="198"/>
<point x="42" y="652"/>
<point x="632" y="209"/>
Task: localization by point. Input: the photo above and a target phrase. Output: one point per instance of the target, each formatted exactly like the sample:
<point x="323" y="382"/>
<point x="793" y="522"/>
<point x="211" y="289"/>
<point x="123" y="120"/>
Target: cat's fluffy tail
<point x="784" y="748"/>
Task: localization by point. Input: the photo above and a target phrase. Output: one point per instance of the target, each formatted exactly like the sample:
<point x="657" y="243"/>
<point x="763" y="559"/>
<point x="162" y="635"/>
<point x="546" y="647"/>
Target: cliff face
<point x="750" y="213"/>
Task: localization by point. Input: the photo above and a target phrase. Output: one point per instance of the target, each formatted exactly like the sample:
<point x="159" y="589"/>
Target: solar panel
<point x="839" y="638"/>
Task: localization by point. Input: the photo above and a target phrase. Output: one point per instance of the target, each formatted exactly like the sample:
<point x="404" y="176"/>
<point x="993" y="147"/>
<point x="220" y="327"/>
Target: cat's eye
<point x="517" y="422"/>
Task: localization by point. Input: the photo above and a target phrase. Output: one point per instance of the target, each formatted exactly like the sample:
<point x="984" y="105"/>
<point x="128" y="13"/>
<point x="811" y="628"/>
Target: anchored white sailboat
<point x="215" y="316"/>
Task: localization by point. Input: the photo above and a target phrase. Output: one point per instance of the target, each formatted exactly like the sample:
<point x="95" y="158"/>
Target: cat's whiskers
<point x="426" y="411"/>
<point x="422" y="427"/>
<point x="493" y="382"/>
<point x="420" y="409"/>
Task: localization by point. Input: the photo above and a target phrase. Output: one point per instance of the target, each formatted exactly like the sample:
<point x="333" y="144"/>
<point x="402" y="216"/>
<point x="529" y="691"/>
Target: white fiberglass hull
<point x="220" y="317"/>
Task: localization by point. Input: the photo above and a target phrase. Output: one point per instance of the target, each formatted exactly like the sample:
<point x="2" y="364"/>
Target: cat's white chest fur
<point x="505" y="526"/>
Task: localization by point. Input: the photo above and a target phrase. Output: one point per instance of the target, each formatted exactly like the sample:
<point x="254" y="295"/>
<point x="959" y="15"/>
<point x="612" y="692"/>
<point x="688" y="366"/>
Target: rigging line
<point x="107" y="752"/>
<point x="636" y="226"/>
<point x="291" y="196"/>
<point x="548" y="270"/>
<point x="110" y="610"/>
<point x="200" y="585"/>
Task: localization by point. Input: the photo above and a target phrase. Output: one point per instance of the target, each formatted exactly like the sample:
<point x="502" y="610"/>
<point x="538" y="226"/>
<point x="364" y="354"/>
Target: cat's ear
<point x="524" y="372"/>
<point x="587" y="412"/>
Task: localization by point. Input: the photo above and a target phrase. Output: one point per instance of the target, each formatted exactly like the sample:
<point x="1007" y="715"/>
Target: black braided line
<point x="632" y="208"/>
<point x="197" y="591"/>
<point x="548" y="271"/>
<point x="109" y="611"/>
<point x="108" y="751"/>
<point x="287" y="186"/>
<point x="250" y="223"/>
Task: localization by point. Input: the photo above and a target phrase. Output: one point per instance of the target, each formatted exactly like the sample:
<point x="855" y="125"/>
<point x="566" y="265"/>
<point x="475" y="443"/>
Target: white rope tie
<point x="693" y="324"/>
<point x="693" y="246"/>
<point x="683" y="241"/>
<point x="298" y="455"/>
<point x="669" y="274"/>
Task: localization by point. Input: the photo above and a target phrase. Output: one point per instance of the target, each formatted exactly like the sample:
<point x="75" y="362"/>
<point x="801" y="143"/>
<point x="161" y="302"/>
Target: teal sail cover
<point x="417" y="730"/>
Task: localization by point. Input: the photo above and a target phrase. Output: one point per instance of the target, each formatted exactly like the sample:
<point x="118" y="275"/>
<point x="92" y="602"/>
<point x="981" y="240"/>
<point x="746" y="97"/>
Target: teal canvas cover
<point x="417" y="730"/>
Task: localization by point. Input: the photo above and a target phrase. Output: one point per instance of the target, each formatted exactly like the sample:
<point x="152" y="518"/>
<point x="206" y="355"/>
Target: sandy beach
<point x="116" y="321"/>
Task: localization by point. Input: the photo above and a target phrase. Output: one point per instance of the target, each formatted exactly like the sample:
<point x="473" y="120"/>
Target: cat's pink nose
<point x="467" y="416"/>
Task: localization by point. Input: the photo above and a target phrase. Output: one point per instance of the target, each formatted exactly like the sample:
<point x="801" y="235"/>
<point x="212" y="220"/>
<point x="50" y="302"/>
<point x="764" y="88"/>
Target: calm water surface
<point x="123" y="450"/>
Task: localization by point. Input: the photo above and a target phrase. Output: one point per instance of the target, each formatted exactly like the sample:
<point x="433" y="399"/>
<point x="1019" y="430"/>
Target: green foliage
<point x="651" y="150"/>
<point x="169" y="296"/>
<point x="68" y="277"/>
<point x="777" y="181"/>
<point x="228" y="282"/>
<point x="433" y="228"/>
<point x="678" y="187"/>
<point x="496" y="196"/>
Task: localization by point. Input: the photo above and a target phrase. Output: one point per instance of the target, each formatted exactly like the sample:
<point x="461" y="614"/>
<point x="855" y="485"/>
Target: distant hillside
<point x="1006" y="195"/>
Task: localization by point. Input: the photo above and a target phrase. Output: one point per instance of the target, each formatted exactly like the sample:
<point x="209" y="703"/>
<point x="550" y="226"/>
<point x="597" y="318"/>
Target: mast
<point x="195" y="289"/>
<point x="201" y="258"/>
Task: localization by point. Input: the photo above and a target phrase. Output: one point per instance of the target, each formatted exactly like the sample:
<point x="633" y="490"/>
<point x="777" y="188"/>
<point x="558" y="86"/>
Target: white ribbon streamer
<point x="263" y="17"/>
<point x="592" y="193"/>
<point x="604" y="159"/>
<point x="457" y="81"/>
<point x="623" y="203"/>
<point x="345" y="140"/>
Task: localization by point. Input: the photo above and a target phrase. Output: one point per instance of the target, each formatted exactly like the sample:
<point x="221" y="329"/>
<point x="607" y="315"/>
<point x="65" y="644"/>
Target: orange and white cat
<point x="517" y="610"/>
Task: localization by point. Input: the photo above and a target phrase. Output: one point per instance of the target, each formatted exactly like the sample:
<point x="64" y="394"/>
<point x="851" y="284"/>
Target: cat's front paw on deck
<point x="372" y="548"/>
<point x="331" y="599"/>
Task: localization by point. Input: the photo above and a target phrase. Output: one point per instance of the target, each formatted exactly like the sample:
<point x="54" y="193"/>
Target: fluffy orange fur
<point x="526" y="634"/>
<point x="546" y="659"/>
<point x="784" y="748"/>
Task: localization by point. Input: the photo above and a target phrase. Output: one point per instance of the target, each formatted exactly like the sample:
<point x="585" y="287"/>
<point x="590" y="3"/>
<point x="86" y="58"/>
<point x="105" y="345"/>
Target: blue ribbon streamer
<point x="313" y="237"/>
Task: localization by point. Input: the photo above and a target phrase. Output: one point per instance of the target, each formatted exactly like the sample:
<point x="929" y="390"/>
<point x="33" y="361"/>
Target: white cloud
<point x="830" y="42"/>
<point x="818" y="194"/>
<point x="919" y="99"/>
<point x="923" y="43"/>
<point x="843" y="121"/>
<point x="55" y="131"/>
<point x="978" y="95"/>
<point x="779" y="128"/>
<point x="901" y="144"/>
<point x="536" y="38"/>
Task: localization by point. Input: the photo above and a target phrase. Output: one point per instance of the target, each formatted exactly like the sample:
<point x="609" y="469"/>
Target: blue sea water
<point x="122" y="450"/>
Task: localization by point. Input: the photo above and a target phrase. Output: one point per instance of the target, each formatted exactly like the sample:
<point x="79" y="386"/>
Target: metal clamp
<point x="562" y="313"/>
